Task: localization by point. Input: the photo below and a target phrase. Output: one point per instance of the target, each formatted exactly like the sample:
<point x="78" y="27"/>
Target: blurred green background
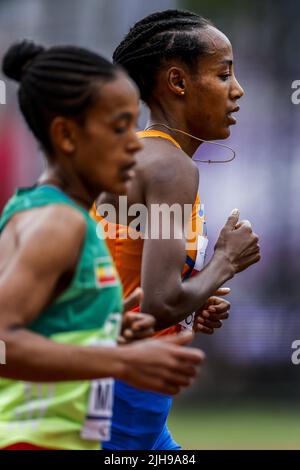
<point x="246" y="426"/>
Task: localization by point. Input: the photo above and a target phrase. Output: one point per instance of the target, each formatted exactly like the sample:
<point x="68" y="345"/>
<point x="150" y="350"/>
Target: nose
<point x="135" y="144"/>
<point x="236" y="91"/>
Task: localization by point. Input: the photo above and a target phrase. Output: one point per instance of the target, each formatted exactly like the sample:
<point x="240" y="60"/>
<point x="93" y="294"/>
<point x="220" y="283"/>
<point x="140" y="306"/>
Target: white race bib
<point x="97" y="425"/>
<point x="202" y="242"/>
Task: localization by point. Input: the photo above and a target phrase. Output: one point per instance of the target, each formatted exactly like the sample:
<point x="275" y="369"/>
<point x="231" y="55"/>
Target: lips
<point x="127" y="173"/>
<point x="232" y="119"/>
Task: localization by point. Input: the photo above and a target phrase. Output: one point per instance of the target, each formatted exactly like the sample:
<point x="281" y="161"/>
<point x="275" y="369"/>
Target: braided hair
<point x="161" y="36"/>
<point x="54" y="81"/>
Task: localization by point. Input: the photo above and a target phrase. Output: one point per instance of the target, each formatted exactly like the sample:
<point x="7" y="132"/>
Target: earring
<point x="182" y="93"/>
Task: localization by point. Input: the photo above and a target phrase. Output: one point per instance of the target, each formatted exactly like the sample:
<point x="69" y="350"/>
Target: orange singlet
<point x="127" y="251"/>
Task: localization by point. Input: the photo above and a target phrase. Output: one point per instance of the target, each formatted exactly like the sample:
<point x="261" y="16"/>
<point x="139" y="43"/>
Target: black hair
<point x="54" y="81"/>
<point x="160" y="36"/>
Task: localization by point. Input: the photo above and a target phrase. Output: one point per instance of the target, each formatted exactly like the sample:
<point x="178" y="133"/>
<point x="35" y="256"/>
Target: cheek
<point x="211" y="96"/>
<point x="93" y="158"/>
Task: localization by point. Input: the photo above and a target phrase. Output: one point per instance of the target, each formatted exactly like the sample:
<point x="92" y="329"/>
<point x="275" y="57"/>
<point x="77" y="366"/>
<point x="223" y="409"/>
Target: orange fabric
<point x="163" y="135"/>
<point x="127" y="252"/>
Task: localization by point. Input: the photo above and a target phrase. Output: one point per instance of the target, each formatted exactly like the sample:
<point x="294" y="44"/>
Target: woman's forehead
<point x="216" y="41"/>
<point x="118" y="93"/>
<point x="116" y="96"/>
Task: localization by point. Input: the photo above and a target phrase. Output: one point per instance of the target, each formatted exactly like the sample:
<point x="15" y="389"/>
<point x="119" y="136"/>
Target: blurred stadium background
<point x="248" y="394"/>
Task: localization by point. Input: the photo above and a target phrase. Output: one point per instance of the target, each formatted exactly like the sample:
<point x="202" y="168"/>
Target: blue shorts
<point x="140" y="420"/>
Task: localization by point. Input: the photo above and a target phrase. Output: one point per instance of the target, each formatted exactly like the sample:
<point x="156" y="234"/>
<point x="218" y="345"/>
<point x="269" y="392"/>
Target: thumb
<point x="133" y="300"/>
<point x="181" y="339"/>
<point x="233" y="219"/>
<point x="223" y="291"/>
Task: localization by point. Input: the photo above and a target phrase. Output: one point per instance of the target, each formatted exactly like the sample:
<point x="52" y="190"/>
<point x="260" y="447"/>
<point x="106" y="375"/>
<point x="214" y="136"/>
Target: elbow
<point x="166" y="310"/>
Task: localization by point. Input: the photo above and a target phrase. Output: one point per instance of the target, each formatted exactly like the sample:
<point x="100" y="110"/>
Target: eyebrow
<point x="226" y="62"/>
<point x="125" y="115"/>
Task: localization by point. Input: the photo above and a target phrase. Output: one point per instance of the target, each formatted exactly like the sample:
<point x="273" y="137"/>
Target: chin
<point x="120" y="189"/>
<point x="227" y="133"/>
<point x="223" y="134"/>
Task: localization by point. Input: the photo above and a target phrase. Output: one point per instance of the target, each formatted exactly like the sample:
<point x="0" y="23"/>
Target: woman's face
<point x="212" y="93"/>
<point x="107" y="143"/>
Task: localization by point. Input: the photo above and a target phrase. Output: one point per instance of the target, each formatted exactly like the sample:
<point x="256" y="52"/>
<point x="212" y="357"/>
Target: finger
<point x="133" y="300"/>
<point x="223" y="291"/>
<point x="204" y="314"/>
<point x="166" y="388"/>
<point x="185" y="369"/>
<point x="171" y="382"/>
<point x="252" y="250"/>
<point x="127" y="334"/>
<point x="121" y="341"/>
<point x="143" y="334"/>
<point x="245" y="224"/>
<point x="211" y="309"/>
<point x="182" y="339"/>
<point x="232" y="219"/>
<point x="215" y="302"/>
<point x="178" y="379"/>
<point x="216" y="309"/>
<point x="220" y="306"/>
<point x="157" y="384"/>
<point x="146" y="322"/>
<point x="217" y="317"/>
<point x="169" y="389"/>
<point x="248" y="261"/>
<point x="137" y="321"/>
<point x="179" y="371"/>
<point x="212" y="324"/>
<point x="128" y="319"/>
<point x="191" y="356"/>
<point x="203" y="329"/>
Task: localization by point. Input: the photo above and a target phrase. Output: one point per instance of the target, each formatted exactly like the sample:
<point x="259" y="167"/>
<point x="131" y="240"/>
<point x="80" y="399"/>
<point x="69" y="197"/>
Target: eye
<point x="125" y="124"/>
<point x="121" y="129"/>
<point x="121" y="126"/>
<point x="225" y="77"/>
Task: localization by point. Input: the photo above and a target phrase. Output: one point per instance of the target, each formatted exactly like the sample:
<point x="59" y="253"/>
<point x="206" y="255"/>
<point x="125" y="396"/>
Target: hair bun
<point x="17" y="56"/>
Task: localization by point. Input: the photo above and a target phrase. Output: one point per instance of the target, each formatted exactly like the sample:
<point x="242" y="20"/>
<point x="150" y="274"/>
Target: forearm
<point x="33" y="358"/>
<point x="186" y="297"/>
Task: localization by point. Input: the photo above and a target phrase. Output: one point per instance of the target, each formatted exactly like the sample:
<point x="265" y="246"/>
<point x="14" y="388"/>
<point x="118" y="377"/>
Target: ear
<point x="63" y="134"/>
<point x="177" y="80"/>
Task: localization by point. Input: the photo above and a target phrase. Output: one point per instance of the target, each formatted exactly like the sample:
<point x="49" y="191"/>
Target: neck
<point x="159" y="115"/>
<point x="69" y="183"/>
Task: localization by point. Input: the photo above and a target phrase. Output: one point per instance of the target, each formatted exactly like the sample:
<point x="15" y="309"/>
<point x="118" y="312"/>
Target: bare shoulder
<point x="56" y="231"/>
<point x="56" y="219"/>
<point x="162" y="165"/>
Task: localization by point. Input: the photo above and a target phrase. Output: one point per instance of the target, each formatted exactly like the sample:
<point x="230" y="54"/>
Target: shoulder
<point x="56" y="231"/>
<point x="164" y="167"/>
<point x="55" y="220"/>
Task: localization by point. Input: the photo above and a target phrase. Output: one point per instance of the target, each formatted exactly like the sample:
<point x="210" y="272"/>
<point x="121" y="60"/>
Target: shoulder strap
<point x="154" y="133"/>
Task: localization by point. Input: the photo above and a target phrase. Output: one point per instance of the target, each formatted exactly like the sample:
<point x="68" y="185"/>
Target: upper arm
<point x="172" y="181"/>
<point x="48" y="246"/>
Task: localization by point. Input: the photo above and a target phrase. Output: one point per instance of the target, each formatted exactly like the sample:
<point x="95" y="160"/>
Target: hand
<point x="133" y="300"/>
<point x="161" y="365"/>
<point x="135" y="325"/>
<point x="238" y="243"/>
<point x="210" y="316"/>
